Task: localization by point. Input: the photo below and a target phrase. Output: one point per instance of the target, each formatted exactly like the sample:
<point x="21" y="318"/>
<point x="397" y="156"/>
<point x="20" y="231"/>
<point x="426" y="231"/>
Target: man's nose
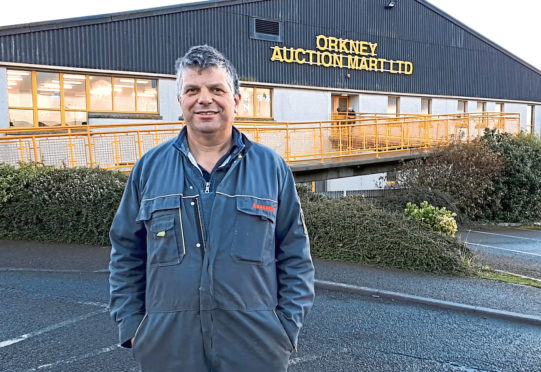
<point x="205" y="97"/>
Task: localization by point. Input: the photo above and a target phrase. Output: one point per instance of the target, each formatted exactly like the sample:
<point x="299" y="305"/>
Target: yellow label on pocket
<point x="161" y="234"/>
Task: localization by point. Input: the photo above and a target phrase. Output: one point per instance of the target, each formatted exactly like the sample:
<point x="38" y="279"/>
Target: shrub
<point x="396" y="200"/>
<point x="437" y="219"/>
<point x="353" y="229"/>
<point x="59" y="205"/>
<point x="467" y="172"/>
<point x="519" y="184"/>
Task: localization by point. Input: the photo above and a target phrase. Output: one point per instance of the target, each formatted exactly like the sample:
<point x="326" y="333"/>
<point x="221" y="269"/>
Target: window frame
<point x="254" y="103"/>
<point x="35" y="109"/>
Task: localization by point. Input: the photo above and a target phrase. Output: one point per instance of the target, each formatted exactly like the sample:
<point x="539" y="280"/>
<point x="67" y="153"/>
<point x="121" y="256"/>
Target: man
<point x="210" y="262"/>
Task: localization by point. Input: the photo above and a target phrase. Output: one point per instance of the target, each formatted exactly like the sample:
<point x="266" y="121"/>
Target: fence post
<point x="70" y="145"/>
<point x="287" y="143"/>
<point x="21" y="149"/>
<point x="376" y="138"/>
<point x="89" y="146"/>
<point x="35" y="148"/>
<point x="321" y="141"/>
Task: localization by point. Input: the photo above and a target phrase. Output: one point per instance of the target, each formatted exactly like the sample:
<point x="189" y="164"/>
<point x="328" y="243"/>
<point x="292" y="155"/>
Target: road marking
<point x="91" y="303"/>
<point x="508" y="236"/>
<point x="305" y="359"/>
<point x="50" y="328"/>
<point x="504" y="249"/>
<point x="310" y="358"/>
<point x="76" y="358"/>
<point x="69" y="271"/>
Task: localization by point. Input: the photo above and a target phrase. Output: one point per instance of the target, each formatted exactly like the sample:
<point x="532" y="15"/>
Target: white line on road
<point x="508" y="236"/>
<point x="77" y="358"/>
<point x="504" y="249"/>
<point x="50" y="328"/>
<point x="305" y="359"/>
<point x="63" y="271"/>
<point x="91" y="303"/>
<point x="310" y="358"/>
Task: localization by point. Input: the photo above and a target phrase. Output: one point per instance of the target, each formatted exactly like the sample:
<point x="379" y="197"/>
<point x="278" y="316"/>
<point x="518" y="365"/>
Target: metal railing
<point x="119" y="146"/>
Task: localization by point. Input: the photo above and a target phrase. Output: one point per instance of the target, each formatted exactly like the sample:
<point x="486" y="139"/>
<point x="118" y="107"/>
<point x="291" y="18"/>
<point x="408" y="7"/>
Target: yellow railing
<point x="119" y="146"/>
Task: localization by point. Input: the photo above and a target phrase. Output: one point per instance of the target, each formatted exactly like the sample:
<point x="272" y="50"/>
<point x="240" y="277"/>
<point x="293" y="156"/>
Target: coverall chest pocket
<point x="253" y="235"/>
<point x="165" y="246"/>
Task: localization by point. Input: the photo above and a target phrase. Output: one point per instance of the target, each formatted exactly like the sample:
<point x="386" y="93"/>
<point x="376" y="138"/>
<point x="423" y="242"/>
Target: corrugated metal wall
<point x="447" y="59"/>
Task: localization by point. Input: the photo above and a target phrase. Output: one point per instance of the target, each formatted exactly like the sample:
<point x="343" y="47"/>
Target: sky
<point x="512" y="24"/>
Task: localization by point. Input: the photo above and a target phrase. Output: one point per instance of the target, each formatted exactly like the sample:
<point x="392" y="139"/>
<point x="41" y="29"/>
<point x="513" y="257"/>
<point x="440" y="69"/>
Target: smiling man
<point x="210" y="262"/>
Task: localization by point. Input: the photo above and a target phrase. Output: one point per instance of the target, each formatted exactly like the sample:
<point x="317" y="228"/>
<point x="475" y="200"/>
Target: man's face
<point x="207" y="102"/>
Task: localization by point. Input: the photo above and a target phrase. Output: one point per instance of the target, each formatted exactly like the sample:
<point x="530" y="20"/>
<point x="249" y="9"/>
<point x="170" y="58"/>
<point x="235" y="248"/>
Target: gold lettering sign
<point x="342" y="53"/>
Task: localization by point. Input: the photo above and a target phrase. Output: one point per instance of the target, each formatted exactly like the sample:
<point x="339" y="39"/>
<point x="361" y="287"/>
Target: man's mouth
<point x="206" y="112"/>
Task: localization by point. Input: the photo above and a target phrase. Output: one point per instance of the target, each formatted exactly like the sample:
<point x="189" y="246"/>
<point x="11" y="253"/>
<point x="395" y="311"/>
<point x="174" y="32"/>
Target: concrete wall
<point x="518" y="108"/>
<point x="168" y="105"/>
<point x="373" y="103"/>
<point x="301" y="105"/>
<point x="444" y="106"/>
<point x="472" y="106"/>
<point x="537" y="120"/>
<point x="368" y="182"/>
<point x="491" y="106"/>
<point x="4" y="114"/>
<point x="410" y="105"/>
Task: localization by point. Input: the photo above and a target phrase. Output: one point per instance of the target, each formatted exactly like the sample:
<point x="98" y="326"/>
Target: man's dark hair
<point x="202" y="57"/>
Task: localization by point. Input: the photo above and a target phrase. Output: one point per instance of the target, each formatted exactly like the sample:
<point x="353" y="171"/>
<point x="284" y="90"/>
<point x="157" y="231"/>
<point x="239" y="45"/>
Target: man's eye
<point x="218" y="90"/>
<point x="190" y="90"/>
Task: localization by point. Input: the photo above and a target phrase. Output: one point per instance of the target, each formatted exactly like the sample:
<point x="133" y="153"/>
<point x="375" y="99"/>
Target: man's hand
<point x="131" y="341"/>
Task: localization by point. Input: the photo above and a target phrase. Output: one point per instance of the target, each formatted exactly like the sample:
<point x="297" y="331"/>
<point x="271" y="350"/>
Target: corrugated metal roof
<point x="448" y="57"/>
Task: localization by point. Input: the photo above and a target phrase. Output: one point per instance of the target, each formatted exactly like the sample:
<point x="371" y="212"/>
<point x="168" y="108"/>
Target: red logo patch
<point x="268" y="208"/>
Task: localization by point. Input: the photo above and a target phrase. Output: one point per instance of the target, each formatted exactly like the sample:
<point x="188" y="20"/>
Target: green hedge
<point x="519" y="184"/>
<point x="353" y="229"/>
<point x="58" y="205"/>
<point x="78" y="206"/>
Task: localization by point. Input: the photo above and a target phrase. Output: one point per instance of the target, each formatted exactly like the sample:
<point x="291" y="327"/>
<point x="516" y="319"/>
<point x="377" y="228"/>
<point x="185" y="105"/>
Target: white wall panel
<point x="301" y="105"/>
<point x="4" y="114"/>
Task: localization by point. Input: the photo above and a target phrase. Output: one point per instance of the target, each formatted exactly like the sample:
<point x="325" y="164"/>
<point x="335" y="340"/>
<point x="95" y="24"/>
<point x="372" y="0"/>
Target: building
<point x="298" y="60"/>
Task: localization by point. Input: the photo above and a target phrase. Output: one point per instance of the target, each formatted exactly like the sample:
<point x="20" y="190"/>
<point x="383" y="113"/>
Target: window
<point x="21" y="112"/>
<point x="43" y="98"/>
<point x="255" y="102"/>
<point x="426" y="106"/>
<point x="393" y="105"/>
<point x="123" y="94"/>
<point x="499" y="107"/>
<point x="48" y="97"/>
<point x="146" y="95"/>
<point x="481" y="106"/>
<point x="462" y="107"/>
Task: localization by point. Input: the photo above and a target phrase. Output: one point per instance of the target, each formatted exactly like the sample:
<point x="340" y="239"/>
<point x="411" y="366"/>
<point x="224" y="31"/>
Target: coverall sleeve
<point x="127" y="279"/>
<point x="295" y="270"/>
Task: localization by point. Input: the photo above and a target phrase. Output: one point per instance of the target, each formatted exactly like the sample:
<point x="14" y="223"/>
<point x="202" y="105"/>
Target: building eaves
<point x="478" y="35"/>
<point x="119" y="16"/>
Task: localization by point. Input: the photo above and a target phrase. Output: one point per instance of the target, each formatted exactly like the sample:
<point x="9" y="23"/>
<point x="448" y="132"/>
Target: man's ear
<point x="236" y="99"/>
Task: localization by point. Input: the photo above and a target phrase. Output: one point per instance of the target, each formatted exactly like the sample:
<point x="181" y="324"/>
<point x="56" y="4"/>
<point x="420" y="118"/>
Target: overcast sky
<point x="513" y="24"/>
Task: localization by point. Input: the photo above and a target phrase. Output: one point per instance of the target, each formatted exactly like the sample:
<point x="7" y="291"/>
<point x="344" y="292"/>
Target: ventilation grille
<point x="263" y="26"/>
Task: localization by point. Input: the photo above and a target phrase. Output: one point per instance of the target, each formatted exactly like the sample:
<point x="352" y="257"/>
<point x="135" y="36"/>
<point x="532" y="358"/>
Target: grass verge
<point x="487" y="273"/>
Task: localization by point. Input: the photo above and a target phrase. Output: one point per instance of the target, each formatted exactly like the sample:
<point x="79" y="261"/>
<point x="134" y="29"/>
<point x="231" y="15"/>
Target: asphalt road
<point x="517" y="250"/>
<point x="58" y="321"/>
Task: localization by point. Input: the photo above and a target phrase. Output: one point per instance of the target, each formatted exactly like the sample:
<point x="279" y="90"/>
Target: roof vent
<point x="265" y="29"/>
